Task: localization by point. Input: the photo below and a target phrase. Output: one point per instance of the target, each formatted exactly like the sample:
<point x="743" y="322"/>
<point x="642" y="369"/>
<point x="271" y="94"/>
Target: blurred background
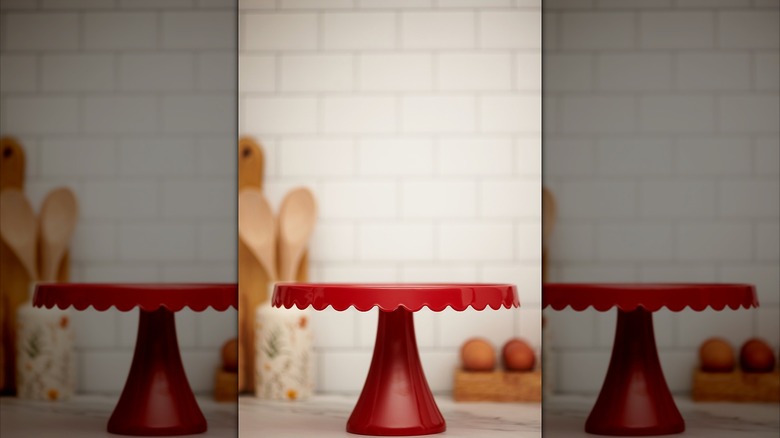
<point x="132" y="105"/>
<point x="417" y="126"/>
<point x="661" y="147"/>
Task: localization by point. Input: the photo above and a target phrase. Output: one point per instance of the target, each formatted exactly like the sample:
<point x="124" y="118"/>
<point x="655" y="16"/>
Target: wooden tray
<point x="498" y="386"/>
<point x="226" y="386"/>
<point x="736" y="386"/>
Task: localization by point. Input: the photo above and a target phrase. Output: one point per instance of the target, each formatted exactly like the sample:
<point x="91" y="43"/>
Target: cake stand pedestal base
<point x="634" y="399"/>
<point x="157" y="398"/>
<point x="396" y="399"/>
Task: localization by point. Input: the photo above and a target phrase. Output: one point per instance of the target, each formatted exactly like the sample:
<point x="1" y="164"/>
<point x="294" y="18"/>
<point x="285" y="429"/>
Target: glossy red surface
<point x="124" y="297"/>
<point x="157" y="399"/>
<point x="651" y="297"/>
<point x="396" y="399"/>
<point x="389" y="297"/>
<point x="634" y="398"/>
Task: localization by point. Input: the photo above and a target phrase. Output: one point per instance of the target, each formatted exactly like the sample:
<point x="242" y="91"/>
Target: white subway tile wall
<point x="661" y="146"/>
<point x="132" y="105"/>
<point x="417" y="124"/>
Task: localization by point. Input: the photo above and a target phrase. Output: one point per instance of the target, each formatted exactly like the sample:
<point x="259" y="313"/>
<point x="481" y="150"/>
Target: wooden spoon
<point x="18" y="228"/>
<point x="297" y="216"/>
<point x="257" y="229"/>
<point x="58" y="221"/>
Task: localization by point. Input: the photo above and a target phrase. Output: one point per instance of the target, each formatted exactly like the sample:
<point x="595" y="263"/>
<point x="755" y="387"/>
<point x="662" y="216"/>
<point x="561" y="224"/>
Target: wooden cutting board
<point x="253" y="281"/>
<point x="14" y="279"/>
<point x="251" y="164"/>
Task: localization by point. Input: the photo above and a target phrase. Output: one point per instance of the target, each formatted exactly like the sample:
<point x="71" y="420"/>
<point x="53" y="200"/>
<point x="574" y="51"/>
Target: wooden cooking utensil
<point x="257" y="270"/>
<point x="297" y="216"/>
<point x="257" y="228"/>
<point x="58" y="221"/>
<point x="251" y="164"/>
<point x="18" y="228"/>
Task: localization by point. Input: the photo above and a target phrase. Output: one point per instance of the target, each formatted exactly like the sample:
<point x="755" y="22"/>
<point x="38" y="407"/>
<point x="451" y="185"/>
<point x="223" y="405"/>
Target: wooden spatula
<point x="18" y="227"/>
<point x="257" y="228"/>
<point x="58" y="221"/>
<point x="297" y="216"/>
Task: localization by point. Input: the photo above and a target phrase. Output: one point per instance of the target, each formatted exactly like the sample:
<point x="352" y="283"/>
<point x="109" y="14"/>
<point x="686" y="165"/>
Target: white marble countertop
<point x="328" y="414"/>
<point x="86" y="416"/>
<point x="565" y="415"/>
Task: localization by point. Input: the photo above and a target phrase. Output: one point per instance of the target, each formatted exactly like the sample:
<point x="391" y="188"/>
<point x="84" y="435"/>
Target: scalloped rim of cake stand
<point x="146" y="296"/>
<point x="389" y="297"/>
<point x="649" y="296"/>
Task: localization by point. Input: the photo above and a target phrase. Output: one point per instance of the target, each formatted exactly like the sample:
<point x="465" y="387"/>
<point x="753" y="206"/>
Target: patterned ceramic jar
<point x="284" y="366"/>
<point x="45" y="359"/>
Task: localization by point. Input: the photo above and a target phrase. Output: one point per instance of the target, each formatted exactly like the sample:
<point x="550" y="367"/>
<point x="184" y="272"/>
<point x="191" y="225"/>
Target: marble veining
<point x="564" y="416"/>
<point x="328" y="414"/>
<point x="86" y="416"/>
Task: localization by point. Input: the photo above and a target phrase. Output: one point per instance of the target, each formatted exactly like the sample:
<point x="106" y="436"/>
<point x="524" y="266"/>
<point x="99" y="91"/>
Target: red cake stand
<point x="396" y="399"/>
<point x="634" y="399"/>
<point x="157" y="399"/>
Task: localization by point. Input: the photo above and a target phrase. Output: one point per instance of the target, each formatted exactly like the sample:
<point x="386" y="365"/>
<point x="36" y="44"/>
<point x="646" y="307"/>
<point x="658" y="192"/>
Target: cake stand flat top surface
<point x="125" y="297"/>
<point x="628" y="297"/>
<point x="391" y="296"/>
